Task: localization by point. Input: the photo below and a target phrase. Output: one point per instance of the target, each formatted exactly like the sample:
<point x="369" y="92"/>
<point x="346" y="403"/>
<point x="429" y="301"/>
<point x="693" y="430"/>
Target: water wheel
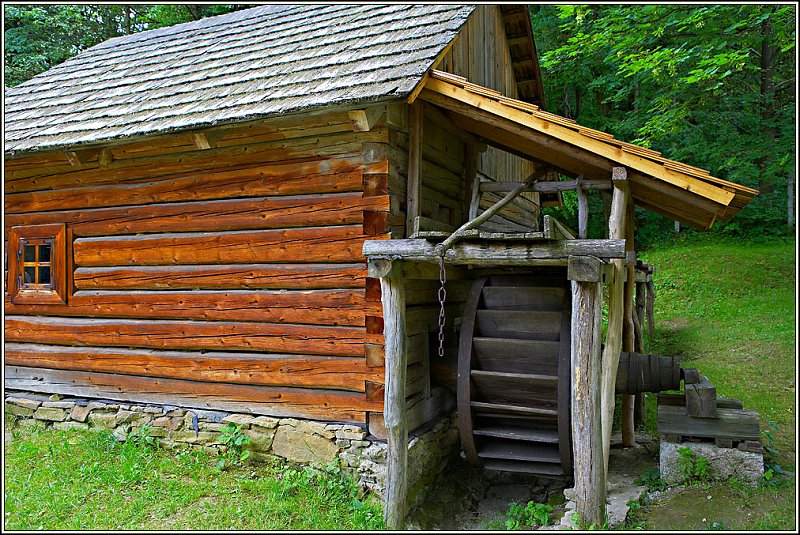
<point x="513" y="374"/>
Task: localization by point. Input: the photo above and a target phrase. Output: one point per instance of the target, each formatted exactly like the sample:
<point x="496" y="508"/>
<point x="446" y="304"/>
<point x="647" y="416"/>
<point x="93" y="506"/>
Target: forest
<point x="710" y="85"/>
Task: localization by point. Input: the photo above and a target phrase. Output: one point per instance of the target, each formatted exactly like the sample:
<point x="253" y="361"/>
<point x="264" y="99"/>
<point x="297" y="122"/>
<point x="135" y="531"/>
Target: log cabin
<point x="254" y="212"/>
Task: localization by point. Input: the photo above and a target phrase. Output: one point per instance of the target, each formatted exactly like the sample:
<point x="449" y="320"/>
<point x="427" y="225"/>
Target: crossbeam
<point x="547" y="187"/>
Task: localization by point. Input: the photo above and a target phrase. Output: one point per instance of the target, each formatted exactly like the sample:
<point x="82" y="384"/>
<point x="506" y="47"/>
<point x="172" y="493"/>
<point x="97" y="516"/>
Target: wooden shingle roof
<point x="243" y="65"/>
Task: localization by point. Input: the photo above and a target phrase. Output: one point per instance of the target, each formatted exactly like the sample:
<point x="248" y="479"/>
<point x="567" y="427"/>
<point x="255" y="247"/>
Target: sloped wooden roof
<point x="261" y="61"/>
<point x="676" y="190"/>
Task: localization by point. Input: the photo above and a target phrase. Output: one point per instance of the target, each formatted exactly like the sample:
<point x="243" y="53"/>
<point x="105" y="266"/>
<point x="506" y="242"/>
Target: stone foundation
<point x="294" y="440"/>
<point x="723" y="463"/>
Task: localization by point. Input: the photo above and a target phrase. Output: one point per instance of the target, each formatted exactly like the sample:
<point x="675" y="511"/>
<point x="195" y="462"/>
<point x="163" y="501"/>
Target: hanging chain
<point x="442" y="297"/>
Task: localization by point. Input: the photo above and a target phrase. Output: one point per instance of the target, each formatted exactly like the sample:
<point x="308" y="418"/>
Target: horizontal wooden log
<point x="733" y="424"/>
<point x="679" y="400"/>
<point x="320" y="307"/>
<point x="232" y="276"/>
<point x="316" y="177"/>
<point x="495" y="254"/>
<point x="197" y="335"/>
<point x="271" y="152"/>
<point x="547" y="187"/>
<point x="314" y="244"/>
<point x="219" y="367"/>
<point x="231" y="214"/>
<point x="330" y="405"/>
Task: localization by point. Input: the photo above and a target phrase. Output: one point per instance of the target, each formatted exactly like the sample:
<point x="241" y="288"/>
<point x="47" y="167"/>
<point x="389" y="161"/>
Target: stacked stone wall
<point x="290" y="439"/>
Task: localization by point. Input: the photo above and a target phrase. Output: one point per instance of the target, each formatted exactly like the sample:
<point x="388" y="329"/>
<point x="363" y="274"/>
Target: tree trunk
<point x="769" y="53"/>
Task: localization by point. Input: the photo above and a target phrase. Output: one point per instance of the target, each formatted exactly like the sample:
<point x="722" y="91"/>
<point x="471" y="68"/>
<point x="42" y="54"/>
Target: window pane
<point x="30" y="253"/>
<point x="44" y="274"/>
<point x="44" y="253"/>
<point x="30" y="274"/>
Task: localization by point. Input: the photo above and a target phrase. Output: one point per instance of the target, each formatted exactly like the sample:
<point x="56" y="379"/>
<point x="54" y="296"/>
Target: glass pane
<point x="30" y="274"/>
<point x="44" y="253"/>
<point x="30" y="253"/>
<point x="44" y="274"/>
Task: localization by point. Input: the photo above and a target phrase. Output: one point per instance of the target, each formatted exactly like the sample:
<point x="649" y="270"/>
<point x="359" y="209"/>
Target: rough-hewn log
<point x="587" y="435"/>
<point x="213" y="366"/>
<point x="193" y="335"/>
<point x="583" y="209"/>
<point x="554" y="253"/>
<point x="394" y="306"/>
<point x="413" y="190"/>
<point x="548" y="187"/>
<point x="628" y="332"/>
<point x="613" y="344"/>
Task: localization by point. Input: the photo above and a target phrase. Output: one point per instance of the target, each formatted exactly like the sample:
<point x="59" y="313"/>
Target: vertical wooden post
<point x="415" y="119"/>
<point x="628" y="332"/>
<point x="639" y="406"/>
<point x="394" y="320"/>
<point x="587" y="435"/>
<point x="583" y="209"/>
<point x="471" y="181"/>
<point x="616" y="309"/>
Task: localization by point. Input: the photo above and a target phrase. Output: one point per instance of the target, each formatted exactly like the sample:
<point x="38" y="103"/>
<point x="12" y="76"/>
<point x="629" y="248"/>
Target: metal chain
<point x="442" y="297"/>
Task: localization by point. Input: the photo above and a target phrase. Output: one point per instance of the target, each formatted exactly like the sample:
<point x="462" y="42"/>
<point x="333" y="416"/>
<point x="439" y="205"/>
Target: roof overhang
<point x="678" y="191"/>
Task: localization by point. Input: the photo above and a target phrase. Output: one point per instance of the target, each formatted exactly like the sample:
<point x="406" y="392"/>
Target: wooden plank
<point x="500" y="408"/>
<point x="312" y="244"/>
<point x="214" y="277"/>
<point x="678" y="400"/>
<point x="419" y="413"/>
<point x="523" y="356"/>
<point x="587" y="433"/>
<point x="516" y="450"/>
<point x="494" y="254"/>
<point x="523" y="297"/>
<point x="733" y="424"/>
<point x="218" y="367"/>
<point x="413" y="190"/>
<point x="539" y="469"/>
<point x="547" y="187"/>
<point x="197" y="335"/>
<point x="232" y="214"/>
<point x="393" y="300"/>
<point x="519" y="433"/>
<point x="521" y="324"/>
<point x="318" y="176"/>
<point x="299" y="402"/>
<point x="321" y="307"/>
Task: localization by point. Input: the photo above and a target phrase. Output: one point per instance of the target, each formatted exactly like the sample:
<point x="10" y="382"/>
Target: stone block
<point x="342" y="444"/>
<point x="153" y="410"/>
<point x="201" y="438"/>
<point x="24" y="402"/>
<point x="39" y="424"/>
<point x="103" y="420"/>
<point x="58" y="404"/>
<point x="239" y="419"/>
<point x="265" y="422"/>
<point x="55" y="397"/>
<point x="121" y="432"/>
<point x="16" y="410"/>
<point x="125" y="416"/>
<point x="79" y="413"/>
<point x="351" y="433"/>
<point x="168" y="423"/>
<point x="289" y="421"/>
<point x="212" y="426"/>
<point x="175" y="413"/>
<point x="723" y="463"/>
<point x="65" y="426"/>
<point x="51" y="414"/>
<point x="260" y="441"/>
<point x="315" y="428"/>
<point x="297" y="446"/>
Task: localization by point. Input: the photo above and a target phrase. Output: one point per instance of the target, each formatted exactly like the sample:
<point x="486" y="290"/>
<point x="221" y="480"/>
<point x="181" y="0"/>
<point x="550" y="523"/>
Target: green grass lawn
<point x="77" y="480"/>
<point x="728" y="309"/>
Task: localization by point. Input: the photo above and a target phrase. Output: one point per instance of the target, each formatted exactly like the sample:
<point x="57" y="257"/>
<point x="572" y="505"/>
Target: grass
<point x="728" y="309"/>
<point x="78" y="480"/>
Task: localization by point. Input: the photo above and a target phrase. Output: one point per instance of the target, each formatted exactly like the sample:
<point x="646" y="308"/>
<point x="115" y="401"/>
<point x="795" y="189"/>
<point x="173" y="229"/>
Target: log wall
<point x="223" y="264"/>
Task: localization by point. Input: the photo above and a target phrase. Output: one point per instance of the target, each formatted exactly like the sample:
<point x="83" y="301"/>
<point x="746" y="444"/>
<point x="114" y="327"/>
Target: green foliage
<point x="582" y="526"/>
<point x="87" y="480"/>
<point x="694" y="468"/>
<point x="709" y="85"/>
<point x="652" y="480"/>
<point x="38" y="37"/>
<point x="527" y="516"/>
<point x="141" y="437"/>
<point x="235" y="440"/>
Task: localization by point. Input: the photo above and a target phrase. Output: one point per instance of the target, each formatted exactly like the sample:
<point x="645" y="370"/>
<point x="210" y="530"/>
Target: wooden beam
<point x="539" y="122"/>
<point x="364" y="120"/>
<point x="471" y="181"/>
<point x="628" y="330"/>
<point x="583" y="208"/>
<point x="394" y="321"/>
<point x="587" y="435"/>
<point x="413" y="206"/>
<point x="613" y="344"/>
<point x="522" y="254"/>
<point x="548" y="187"/>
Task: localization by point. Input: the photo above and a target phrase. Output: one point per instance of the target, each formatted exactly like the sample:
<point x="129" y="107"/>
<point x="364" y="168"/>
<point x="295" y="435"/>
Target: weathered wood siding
<point x="481" y="55"/>
<point x="212" y="268"/>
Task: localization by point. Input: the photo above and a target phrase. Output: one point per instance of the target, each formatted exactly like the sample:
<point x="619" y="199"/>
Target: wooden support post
<point x="628" y="330"/>
<point x="394" y="321"/>
<point x="471" y="180"/>
<point x="413" y="199"/>
<point x="616" y="309"/>
<point x="587" y="435"/>
<point x="639" y="406"/>
<point x="583" y="209"/>
<point x="650" y="305"/>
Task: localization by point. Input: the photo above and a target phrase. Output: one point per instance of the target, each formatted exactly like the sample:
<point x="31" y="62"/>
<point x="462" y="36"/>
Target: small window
<point x="37" y="267"/>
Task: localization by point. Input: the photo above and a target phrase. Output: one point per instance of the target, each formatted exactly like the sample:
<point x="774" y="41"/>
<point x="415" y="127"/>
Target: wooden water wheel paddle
<point x="513" y="375"/>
